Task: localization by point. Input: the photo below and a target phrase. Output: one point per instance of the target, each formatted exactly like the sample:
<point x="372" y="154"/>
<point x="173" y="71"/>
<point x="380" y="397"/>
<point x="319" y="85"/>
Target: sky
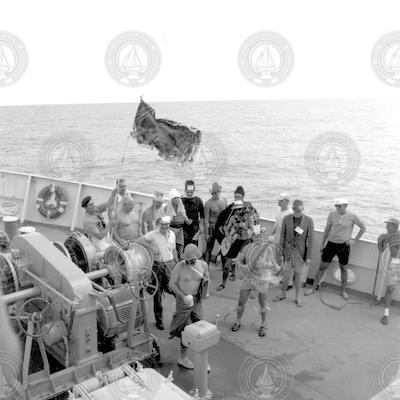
<point x="199" y="43"/>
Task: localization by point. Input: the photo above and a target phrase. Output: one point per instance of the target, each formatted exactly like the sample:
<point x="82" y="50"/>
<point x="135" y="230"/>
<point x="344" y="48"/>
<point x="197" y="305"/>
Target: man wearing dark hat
<point x="212" y="209"/>
<point x="389" y="253"/>
<point x="186" y="281"/>
<point x="93" y="222"/>
<point x="224" y="216"/>
<point x="194" y="211"/>
<point x="238" y="231"/>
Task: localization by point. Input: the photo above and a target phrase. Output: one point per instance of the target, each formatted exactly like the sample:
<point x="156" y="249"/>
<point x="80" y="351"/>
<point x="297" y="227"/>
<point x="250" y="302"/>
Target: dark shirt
<point x="194" y="208"/>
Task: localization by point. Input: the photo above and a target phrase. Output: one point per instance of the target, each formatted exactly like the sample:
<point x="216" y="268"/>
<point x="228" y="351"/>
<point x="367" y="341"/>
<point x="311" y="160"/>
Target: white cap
<point x="164" y="220"/>
<point x="173" y="193"/>
<point x="341" y="200"/>
<point x="27" y="229"/>
<point x="283" y="196"/>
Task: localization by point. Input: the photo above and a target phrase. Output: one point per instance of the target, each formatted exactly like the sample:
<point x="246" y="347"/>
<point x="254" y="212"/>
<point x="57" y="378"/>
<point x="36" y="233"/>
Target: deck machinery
<point x="82" y="314"/>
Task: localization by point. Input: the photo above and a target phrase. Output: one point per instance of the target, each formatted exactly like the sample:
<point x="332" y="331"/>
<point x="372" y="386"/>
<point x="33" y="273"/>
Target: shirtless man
<point x="121" y="193"/>
<point x="185" y="283"/>
<point x="155" y="211"/>
<point x="93" y="222"/>
<point x="127" y="227"/>
<point x="213" y="207"/>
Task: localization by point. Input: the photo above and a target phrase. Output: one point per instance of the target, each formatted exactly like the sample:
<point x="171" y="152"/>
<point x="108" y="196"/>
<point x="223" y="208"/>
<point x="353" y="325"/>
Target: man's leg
<point x="388" y="302"/>
<point x="262" y="299"/>
<point x="297" y="285"/>
<point x="318" y="276"/>
<point x="225" y="272"/>
<point x="343" y="275"/>
<point x="157" y="298"/>
<point x="243" y="297"/>
<point x="285" y="279"/>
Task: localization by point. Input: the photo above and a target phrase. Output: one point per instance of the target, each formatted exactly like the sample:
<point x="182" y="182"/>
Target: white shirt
<point x="162" y="245"/>
<point x="278" y="223"/>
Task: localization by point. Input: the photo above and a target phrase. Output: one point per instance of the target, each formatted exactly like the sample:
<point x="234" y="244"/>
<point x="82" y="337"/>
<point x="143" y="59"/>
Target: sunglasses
<point x="190" y="262"/>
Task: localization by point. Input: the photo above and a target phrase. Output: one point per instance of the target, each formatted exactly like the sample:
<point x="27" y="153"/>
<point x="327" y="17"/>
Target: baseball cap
<point x="341" y="200"/>
<point x="392" y="221"/>
<point x="164" y="220"/>
<point x="283" y="196"/>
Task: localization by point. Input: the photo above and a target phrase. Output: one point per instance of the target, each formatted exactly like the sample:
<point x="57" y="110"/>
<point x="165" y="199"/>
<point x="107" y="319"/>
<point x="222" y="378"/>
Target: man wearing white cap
<point x="389" y="253"/>
<point x="337" y="241"/>
<point x="162" y="242"/>
<point x="188" y="279"/>
<point x="155" y="211"/>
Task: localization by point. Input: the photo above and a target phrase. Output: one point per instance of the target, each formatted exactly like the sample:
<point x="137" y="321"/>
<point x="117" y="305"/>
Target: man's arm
<point x="91" y="229"/>
<point x="282" y="235"/>
<point x="206" y="220"/>
<point x="327" y="230"/>
<point x="381" y="242"/>
<point x="362" y="227"/>
<point x="310" y="238"/>
<point x="104" y="206"/>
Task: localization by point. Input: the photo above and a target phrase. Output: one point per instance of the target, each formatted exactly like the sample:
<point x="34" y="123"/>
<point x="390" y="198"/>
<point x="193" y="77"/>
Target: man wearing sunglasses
<point x="337" y="241"/>
<point x="187" y="280"/>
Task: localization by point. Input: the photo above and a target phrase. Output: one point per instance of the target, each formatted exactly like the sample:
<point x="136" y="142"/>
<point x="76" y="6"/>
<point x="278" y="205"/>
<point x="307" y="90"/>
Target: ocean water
<point x="266" y="146"/>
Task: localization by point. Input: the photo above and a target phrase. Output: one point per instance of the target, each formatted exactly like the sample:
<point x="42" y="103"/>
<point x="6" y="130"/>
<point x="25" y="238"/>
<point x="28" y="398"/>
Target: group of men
<point x="171" y="229"/>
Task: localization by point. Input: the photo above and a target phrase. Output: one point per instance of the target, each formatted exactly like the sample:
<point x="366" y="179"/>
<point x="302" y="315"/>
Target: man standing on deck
<point x="127" y="226"/>
<point x="212" y="209"/>
<point x="162" y="242"/>
<point x="186" y="282"/>
<point x="121" y="193"/>
<point x="296" y="245"/>
<point x="194" y="211"/>
<point x="155" y="211"/>
<point x="338" y="231"/>
<point x="390" y="242"/>
<point x="93" y="222"/>
<point x="223" y="219"/>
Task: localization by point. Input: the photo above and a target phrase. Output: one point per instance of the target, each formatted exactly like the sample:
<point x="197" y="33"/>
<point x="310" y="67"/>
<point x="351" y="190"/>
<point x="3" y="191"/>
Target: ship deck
<point x="313" y="353"/>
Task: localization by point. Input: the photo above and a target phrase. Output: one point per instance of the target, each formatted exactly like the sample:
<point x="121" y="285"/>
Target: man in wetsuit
<point x="212" y="209"/>
<point x="194" y="211"/>
<point x="389" y="243"/>
<point x="127" y="227"/>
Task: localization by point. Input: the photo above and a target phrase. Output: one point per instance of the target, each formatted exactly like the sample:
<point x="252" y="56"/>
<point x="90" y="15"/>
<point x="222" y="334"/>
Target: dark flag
<point x="173" y="140"/>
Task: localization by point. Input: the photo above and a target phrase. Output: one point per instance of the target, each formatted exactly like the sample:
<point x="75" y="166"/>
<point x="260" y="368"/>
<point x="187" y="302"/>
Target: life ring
<point x="51" y="201"/>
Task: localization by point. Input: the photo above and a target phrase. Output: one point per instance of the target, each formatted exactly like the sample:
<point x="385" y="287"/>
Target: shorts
<point x="342" y="250"/>
<point x="297" y="263"/>
<point x="236" y="246"/>
<point x="392" y="273"/>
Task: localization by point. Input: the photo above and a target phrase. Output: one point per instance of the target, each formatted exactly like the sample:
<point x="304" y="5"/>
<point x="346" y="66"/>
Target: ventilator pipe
<point x="26" y="229"/>
<point x="21" y="295"/>
<point x="10" y="226"/>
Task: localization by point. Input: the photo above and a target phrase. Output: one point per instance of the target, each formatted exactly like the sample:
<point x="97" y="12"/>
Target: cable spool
<point x="8" y="275"/>
<point x="90" y="385"/>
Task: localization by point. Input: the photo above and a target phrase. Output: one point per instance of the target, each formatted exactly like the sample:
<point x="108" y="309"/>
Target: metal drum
<point x="128" y="262"/>
<point x="82" y="251"/>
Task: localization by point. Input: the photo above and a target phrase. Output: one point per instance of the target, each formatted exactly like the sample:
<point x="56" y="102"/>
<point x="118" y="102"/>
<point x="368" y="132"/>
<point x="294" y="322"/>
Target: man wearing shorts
<point x="338" y="231"/>
<point x="296" y="240"/>
<point x="389" y="253"/>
